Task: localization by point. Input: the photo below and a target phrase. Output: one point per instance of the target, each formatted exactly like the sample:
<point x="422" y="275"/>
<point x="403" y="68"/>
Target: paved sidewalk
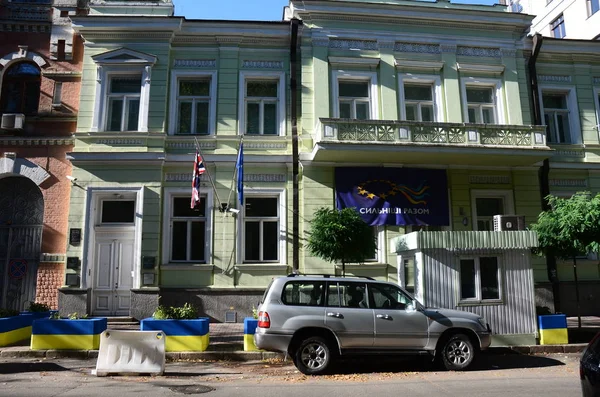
<point x="227" y="343"/>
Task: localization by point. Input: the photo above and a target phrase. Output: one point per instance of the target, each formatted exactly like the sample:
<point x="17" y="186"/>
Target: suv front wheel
<point x="313" y="356"/>
<point x="457" y="353"/>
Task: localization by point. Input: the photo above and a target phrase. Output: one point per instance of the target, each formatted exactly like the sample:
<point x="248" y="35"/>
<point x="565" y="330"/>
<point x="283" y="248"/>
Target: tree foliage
<point x="340" y="236"/>
<point x="571" y="228"/>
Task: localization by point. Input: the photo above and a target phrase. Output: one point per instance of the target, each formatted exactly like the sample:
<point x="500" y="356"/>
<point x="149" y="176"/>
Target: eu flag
<point x="239" y="166"/>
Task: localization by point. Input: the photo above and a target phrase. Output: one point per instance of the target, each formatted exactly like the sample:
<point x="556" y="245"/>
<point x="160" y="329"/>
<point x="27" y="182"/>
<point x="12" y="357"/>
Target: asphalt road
<point x="555" y="375"/>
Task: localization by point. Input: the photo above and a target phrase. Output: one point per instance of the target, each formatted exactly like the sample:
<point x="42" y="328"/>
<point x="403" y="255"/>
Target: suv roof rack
<point x="325" y="275"/>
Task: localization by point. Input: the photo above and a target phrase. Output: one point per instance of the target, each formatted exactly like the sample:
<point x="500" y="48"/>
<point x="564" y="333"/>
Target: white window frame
<point x="281" y="107"/>
<point x="177" y="75"/>
<point x="126" y="98"/>
<point x="370" y="77"/>
<point x="57" y="94"/>
<point x="571" y="93"/>
<point x="478" y="298"/>
<point x="495" y="84"/>
<point x="266" y="193"/>
<point x="589" y="7"/>
<point x="116" y="63"/>
<point x="597" y="102"/>
<point x="169" y="194"/>
<point x="506" y="195"/>
<point x="434" y="81"/>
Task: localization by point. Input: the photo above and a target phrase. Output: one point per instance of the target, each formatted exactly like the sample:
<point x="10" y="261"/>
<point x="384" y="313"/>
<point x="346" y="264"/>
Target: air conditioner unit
<point x="508" y="222"/>
<point x="12" y="121"/>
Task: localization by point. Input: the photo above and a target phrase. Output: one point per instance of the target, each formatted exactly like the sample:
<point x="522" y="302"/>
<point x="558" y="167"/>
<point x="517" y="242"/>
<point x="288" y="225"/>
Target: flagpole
<point x="208" y="173"/>
<point x="235" y="171"/>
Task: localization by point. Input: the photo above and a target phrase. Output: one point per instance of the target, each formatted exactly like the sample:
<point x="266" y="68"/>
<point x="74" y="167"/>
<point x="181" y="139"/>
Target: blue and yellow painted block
<point x="15" y="329"/>
<point x="181" y="335"/>
<point x="553" y="329"/>
<point x="250" y="325"/>
<point x="82" y="334"/>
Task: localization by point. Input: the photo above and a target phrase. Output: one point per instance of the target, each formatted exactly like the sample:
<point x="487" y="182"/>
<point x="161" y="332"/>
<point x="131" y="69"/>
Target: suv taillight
<point x="263" y="320"/>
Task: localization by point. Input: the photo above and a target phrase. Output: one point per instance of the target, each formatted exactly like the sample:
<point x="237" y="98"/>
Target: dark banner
<point x="394" y="196"/>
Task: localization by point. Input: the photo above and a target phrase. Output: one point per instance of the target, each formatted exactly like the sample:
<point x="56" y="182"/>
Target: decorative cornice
<point x="320" y="42"/>
<point x="386" y="44"/>
<point x="448" y="48"/>
<point x="194" y="63"/>
<point x="60" y="73"/>
<point x="264" y="178"/>
<point x="479" y="52"/>
<point x="570" y="153"/>
<point x="489" y="179"/>
<point x="262" y="64"/>
<point x="354" y="61"/>
<point x="344" y="44"/>
<point x="24" y="26"/>
<point x="421" y="65"/>
<point x="480" y="68"/>
<point x="36" y="141"/>
<point x="418" y="48"/>
<point x="182" y="177"/>
<point x="568" y="182"/>
<point x="554" y="78"/>
<point x="190" y="145"/>
<point x="120" y="142"/>
<point x="264" y="145"/>
<point x="508" y="52"/>
<point x="53" y="258"/>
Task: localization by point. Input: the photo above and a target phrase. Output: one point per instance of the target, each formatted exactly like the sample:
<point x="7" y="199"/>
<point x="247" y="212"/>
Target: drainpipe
<point x="294" y="24"/>
<point x="544" y="170"/>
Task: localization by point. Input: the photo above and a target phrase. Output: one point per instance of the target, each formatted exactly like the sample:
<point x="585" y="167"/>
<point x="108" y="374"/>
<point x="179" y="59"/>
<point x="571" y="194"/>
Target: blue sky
<point x="269" y="10"/>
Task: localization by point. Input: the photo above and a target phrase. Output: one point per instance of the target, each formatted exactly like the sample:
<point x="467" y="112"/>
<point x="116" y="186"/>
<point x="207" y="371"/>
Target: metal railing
<point x="459" y="134"/>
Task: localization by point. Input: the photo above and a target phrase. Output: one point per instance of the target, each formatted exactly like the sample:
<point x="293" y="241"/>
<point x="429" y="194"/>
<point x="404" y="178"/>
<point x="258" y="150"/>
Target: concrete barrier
<point x="131" y="352"/>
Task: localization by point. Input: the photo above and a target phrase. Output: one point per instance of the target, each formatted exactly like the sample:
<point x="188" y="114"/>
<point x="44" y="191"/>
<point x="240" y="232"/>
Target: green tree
<point x="340" y="236"/>
<point x="570" y="229"/>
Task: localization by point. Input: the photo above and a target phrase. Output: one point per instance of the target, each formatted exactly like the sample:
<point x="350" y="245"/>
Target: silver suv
<point x="316" y="318"/>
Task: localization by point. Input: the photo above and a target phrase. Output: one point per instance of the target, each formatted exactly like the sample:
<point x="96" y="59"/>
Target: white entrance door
<point x="113" y="267"/>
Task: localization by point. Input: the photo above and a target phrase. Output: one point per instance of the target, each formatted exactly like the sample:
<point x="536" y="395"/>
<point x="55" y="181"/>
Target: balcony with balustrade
<point x="410" y="142"/>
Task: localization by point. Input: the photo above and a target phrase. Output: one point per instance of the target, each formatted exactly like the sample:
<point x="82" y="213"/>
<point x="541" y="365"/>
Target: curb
<point x="231" y="355"/>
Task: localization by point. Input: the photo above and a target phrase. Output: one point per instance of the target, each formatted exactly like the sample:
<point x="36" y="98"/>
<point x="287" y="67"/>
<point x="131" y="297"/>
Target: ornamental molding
<point x="407" y="64"/>
<point x="489" y="179"/>
<point x="448" y="48"/>
<point x="568" y="182"/>
<point x="353" y="61"/>
<point x="418" y="48"/>
<point x="320" y="42"/>
<point x="353" y="44"/>
<point x="264" y="178"/>
<point x="124" y="142"/>
<point x="554" y="78"/>
<point x="480" y="68"/>
<point x="596" y="80"/>
<point x="570" y="153"/>
<point x="24" y="26"/>
<point x="479" y="52"/>
<point x="22" y="54"/>
<point x="49" y="141"/>
<point x="265" y="145"/>
<point x="194" y="63"/>
<point x="53" y="258"/>
<point x="190" y="145"/>
<point x="508" y="52"/>
<point x="386" y="44"/>
<point x="182" y="177"/>
<point x="262" y="64"/>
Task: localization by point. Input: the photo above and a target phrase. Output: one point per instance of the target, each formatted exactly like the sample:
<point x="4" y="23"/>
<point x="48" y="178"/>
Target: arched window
<point x="21" y="88"/>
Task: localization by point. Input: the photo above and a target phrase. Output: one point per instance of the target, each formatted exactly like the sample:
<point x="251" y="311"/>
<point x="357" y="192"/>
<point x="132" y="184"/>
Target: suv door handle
<point x="384" y="316"/>
<point x="336" y="315"/>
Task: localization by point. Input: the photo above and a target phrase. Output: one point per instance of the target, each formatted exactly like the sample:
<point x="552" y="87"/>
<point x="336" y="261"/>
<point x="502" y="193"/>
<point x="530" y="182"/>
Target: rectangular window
<point x="486" y="208"/>
<point x="261" y="97"/>
<point x="480" y="279"/>
<point x="419" y="104"/>
<point x="118" y="211"/>
<point x="57" y="96"/>
<point x="354" y="99"/>
<point x="593" y="6"/>
<point x="261" y="229"/>
<point x="481" y="104"/>
<point x="409" y="274"/>
<point x="297" y="293"/>
<point x="556" y="117"/>
<point x="347" y="294"/>
<point x="388" y="297"/>
<point x="188" y="230"/>
<point x="193" y="106"/>
<point x="557" y="27"/>
<point x="123" y="103"/>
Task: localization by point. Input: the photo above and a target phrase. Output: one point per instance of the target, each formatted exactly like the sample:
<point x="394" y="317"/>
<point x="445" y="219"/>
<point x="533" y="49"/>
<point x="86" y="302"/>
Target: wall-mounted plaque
<point x="75" y="236"/>
<point x="72" y="280"/>
<point x="148" y="279"/>
<point x="148" y="262"/>
<point x="73" y="262"/>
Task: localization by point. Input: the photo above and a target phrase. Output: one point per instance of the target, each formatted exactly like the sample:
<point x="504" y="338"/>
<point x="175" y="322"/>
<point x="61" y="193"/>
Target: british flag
<point x="199" y="169"/>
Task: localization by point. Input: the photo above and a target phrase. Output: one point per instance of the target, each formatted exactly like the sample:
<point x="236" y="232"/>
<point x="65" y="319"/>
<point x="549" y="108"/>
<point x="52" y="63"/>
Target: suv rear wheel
<point x="313" y="356"/>
<point x="457" y="352"/>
